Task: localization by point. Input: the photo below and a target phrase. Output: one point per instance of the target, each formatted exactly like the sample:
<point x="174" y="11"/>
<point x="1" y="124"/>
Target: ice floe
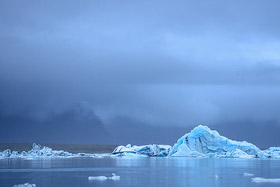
<point x="103" y="178"/>
<point x="248" y="174"/>
<point x="100" y="178"/>
<point x="265" y="180"/>
<point x="38" y="151"/>
<point x="25" y="185"/>
<point x="144" y="150"/>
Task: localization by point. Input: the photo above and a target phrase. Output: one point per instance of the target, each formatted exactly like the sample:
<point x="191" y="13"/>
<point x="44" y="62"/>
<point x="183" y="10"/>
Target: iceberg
<point x="100" y="178"/>
<point x="272" y="152"/>
<point x="25" y="185"/>
<point x="103" y="178"/>
<point x="265" y="180"/>
<point x="200" y="142"/>
<point x="38" y="151"/>
<point x="204" y="142"/>
<point x="248" y="174"/>
<point x="144" y="150"/>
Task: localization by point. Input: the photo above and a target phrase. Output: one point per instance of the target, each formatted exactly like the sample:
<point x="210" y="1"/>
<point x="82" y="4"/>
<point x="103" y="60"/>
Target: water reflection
<point x="196" y="171"/>
<point x="136" y="171"/>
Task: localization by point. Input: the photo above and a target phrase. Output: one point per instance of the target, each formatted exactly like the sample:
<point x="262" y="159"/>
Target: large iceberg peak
<point x="201" y="129"/>
<point x="202" y="141"/>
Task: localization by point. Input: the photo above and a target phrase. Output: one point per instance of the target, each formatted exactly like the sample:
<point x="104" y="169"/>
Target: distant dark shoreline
<point x="72" y="148"/>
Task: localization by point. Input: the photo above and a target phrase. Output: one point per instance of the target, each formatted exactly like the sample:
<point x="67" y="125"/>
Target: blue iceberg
<point x="204" y="142"/>
<point x="200" y="142"/>
<point x="39" y="151"/>
<point x="144" y="150"/>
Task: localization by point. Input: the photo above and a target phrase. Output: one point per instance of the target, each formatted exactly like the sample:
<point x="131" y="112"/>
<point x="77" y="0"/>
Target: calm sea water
<point x="137" y="172"/>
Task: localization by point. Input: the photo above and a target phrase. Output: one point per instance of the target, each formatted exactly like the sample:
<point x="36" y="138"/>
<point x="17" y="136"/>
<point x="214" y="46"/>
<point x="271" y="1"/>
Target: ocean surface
<point x="173" y="172"/>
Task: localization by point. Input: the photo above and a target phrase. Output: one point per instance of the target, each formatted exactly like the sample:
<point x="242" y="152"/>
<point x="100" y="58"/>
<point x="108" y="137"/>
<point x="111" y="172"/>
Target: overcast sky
<point x="158" y="63"/>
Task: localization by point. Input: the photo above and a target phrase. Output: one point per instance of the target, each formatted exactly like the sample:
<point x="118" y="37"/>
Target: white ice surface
<point x="265" y="180"/>
<point x="130" y="155"/>
<point x="248" y="175"/>
<point x="103" y="178"/>
<point x="204" y="142"/>
<point x="25" y="185"/>
<point x="200" y="142"/>
<point x="272" y="152"/>
<point x="38" y="151"/>
<point x="146" y="150"/>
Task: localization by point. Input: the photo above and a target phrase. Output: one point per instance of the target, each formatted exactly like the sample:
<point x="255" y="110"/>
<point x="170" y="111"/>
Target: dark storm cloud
<point x="160" y="63"/>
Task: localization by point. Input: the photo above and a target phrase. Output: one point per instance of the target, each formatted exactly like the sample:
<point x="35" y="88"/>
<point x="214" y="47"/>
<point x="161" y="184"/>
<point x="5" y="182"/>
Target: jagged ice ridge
<point x="201" y="142"/>
<point x="144" y="150"/>
<point x="38" y="151"/>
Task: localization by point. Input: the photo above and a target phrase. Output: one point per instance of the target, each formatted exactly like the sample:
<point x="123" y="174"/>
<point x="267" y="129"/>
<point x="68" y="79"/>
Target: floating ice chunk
<point x="248" y="175"/>
<point x="38" y="151"/>
<point x="265" y="180"/>
<point x="147" y="150"/>
<point x="202" y="141"/>
<point x="6" y="153"/>
<point x="217" y="177"/>
<point x="272" y="152"/>
<point x="115" y="177"/>
<point x="103" y="178"/>
<point x="25" y="185"/>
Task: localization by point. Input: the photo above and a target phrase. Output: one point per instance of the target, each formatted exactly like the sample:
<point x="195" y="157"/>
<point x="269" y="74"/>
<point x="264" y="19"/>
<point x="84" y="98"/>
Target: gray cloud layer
<point x="161" y="63"/>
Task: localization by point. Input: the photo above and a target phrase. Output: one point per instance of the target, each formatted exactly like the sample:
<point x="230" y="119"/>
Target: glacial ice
<point x="265" y="180"/>
<point x="38" y="151"/>
<point x="115" y="177"/>
<point x="144" y="150"/>
<point x="272" y="152"/>
<point x="200" y="142"/>
<point x="25" y="185"/>
<point x="248" y="175"/>
<point x="204" y="142"/>
<point x="102" y="178"/>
